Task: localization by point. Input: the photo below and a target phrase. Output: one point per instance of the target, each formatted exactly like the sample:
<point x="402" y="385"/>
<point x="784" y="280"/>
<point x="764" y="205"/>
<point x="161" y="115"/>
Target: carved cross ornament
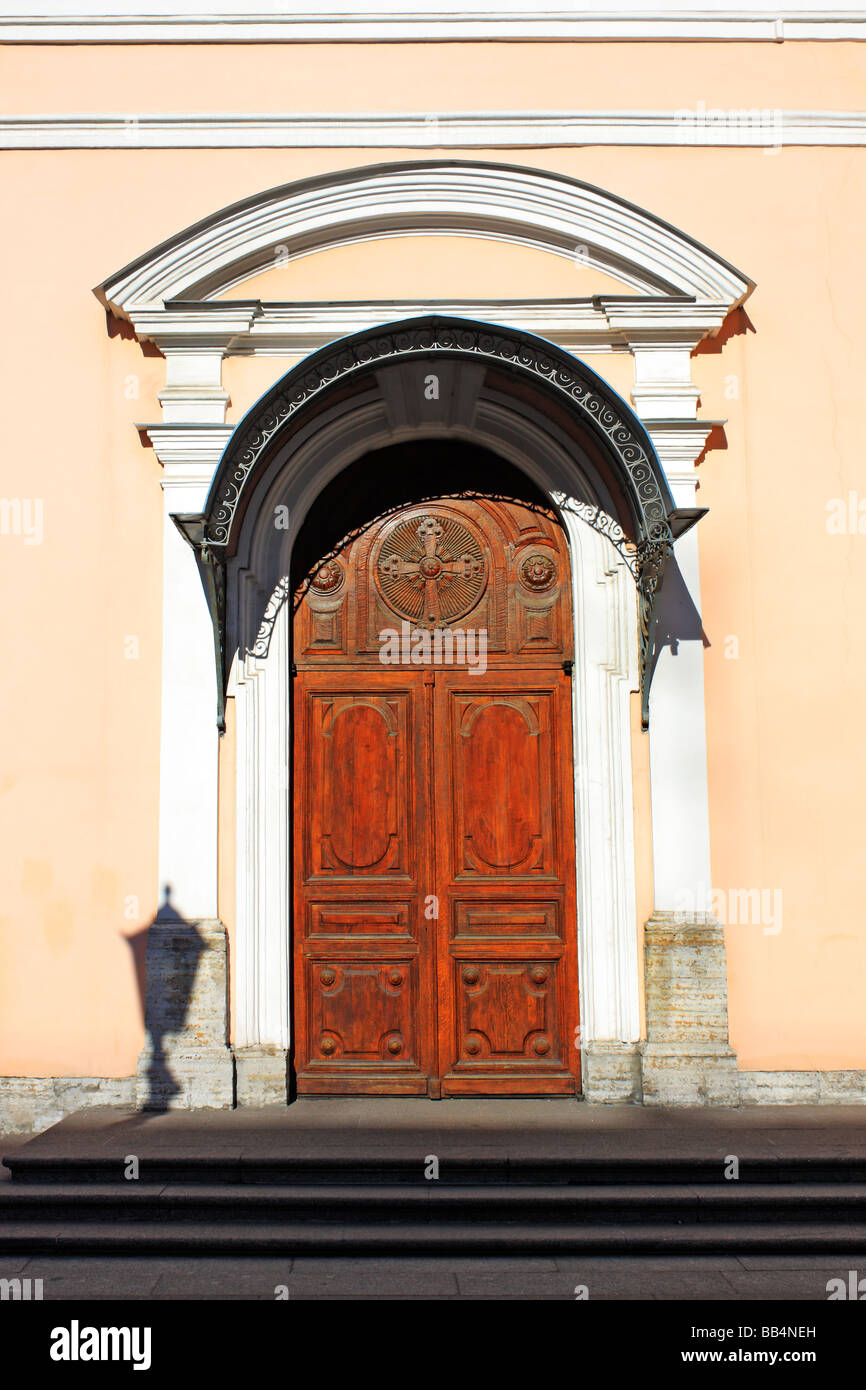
<point x="431" y="571"/>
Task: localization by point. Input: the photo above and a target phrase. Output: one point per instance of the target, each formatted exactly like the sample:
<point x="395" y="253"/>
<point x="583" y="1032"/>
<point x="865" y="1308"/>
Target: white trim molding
<point x="522" y="206"/>
<point x="262" y="693"/>
<point x="335" y="23"/>
<point x="605" y="673"/>
<point x="679" y="291"/>
<point x="702" y="126"/>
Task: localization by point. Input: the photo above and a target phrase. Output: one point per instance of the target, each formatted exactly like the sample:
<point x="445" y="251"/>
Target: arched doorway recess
<point x="546" y="415"/>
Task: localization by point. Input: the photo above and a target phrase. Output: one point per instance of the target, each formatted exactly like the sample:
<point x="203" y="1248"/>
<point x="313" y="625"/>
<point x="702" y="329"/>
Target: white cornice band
<point x="699" y="25"/>
<point x="703" y="126"/>
<point x="604" y="324"/>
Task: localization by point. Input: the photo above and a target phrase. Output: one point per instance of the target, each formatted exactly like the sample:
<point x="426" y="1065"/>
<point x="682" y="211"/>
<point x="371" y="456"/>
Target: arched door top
<point x="537" y="365"/>
<point x="532" y="372"/>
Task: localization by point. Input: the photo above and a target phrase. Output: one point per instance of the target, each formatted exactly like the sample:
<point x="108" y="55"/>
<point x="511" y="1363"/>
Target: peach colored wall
<point x="430" y="77"/>
<point x="79" y="700"/>
<point x="80" y="773"/>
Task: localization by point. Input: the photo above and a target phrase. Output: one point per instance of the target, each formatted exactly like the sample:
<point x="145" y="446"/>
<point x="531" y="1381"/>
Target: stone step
<point x="384" y="1169"/>
<point x="432" y="1201"/>
<point x="471" y="1236"/>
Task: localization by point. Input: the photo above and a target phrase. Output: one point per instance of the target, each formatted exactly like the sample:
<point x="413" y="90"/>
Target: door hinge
<point x="568" y="667"/>
<point x="294" y="670"/>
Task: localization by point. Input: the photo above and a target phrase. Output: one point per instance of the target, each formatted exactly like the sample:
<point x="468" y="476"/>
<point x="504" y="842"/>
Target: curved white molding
<point x="528" y="207"/>
<point x="702" y="126"/>
<point x="337" y="24"/>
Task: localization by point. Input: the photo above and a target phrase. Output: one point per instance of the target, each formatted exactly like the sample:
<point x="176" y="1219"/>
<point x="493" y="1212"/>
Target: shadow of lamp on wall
<point x="180" y="970"/>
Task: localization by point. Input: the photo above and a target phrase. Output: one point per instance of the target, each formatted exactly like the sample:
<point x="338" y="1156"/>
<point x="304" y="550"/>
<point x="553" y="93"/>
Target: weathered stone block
<point x="262" y="1076"/>
<point x="779" y="1088"/>
<point x="687" y="1059"/>
<point x="685" y="979"/>
<point x="29" y="1104"/>
<point x="611" y="1073"/>
<point x="842" y="1087"/>
<point x="689" y="1074"/>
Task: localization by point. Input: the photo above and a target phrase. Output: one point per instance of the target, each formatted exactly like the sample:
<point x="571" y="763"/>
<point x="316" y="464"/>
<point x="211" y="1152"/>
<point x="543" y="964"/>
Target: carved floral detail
<point x="538" y="572"/>
<point x="329" y="578"/>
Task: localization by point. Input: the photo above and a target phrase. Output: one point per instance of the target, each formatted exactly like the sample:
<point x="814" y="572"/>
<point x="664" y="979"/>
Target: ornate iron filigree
<point x="646" y="556"/>
<point x="652" y="558"/>
<point x="604" y="523"/>
<point x="262" y="642"/>
<point x="451" y="338"/>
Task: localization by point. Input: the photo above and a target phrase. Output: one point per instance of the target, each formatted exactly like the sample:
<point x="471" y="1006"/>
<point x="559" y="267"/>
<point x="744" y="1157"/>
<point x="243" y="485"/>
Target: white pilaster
<point x="677" y="728"/>
<point x="605" y="672"/>
<point x="261" y="687"/>
<point x="188" y="738"/>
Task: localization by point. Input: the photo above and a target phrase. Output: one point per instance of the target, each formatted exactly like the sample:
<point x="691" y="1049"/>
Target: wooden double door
<point x="434" y="899"/>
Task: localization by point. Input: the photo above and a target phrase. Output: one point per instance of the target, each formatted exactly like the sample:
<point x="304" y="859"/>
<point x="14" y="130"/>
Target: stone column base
<point x="687" y="1059"/>
<point x="262" y="1076"/>
<point x="610" y="1073"/>
<point x="186" y="1063"/>
<point x="689" y="1074"/>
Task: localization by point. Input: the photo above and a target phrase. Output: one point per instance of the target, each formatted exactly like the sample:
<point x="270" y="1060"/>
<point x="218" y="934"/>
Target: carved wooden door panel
<point x="435" y="942"/>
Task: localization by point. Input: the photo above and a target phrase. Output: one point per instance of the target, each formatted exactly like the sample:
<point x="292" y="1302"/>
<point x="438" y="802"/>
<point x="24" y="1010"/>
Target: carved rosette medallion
<point x="328" y="579"/>
<point x="431" y="570"/>
<point x="538" y="573"/>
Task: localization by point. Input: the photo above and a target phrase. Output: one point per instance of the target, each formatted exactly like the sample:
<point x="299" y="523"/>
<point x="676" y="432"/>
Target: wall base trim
<point x="614" y="1074"/>
<point x="29" y="1104"/>
<point x="802" y="1087"/>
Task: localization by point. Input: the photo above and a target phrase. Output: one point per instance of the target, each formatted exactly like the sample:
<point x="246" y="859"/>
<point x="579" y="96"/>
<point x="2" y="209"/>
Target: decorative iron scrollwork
<point x="652" y="558"/>
<point x="445" y="337"/>
<point x="646" y="556"/>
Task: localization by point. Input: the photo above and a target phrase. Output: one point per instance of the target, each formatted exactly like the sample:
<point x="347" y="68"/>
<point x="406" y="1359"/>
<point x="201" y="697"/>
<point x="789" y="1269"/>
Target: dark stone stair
<point x="299" y="1182"/>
